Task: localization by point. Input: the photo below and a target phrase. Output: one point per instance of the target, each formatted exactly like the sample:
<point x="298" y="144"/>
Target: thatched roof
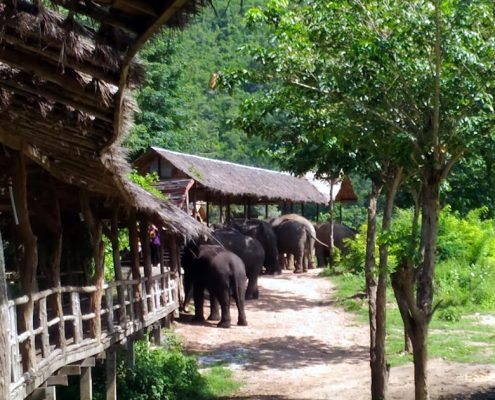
<point x="239" y="181"/>
<point x="65" y="70"/>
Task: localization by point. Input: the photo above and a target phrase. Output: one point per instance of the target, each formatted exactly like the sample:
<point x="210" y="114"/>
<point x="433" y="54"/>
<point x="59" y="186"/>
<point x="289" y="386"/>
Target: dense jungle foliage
<point x="178" y="110"/>
<point x="465" y="274"/>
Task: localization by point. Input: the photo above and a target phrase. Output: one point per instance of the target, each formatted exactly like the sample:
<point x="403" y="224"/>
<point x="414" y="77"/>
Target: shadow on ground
<point x="289" y="352"/>
<point x="484" y="394"/>
<point x="281" y="301"/>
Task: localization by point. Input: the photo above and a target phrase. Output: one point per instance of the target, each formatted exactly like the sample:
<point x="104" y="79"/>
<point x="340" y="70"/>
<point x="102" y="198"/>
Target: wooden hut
<point x="65" y="72"/>
<point x="188" y="178"/>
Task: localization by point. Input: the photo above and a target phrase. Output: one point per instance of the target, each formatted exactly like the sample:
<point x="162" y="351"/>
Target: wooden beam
<point x="71" y="370"/>
<point x="57" y="380"/>
<point x="43" y="393"/>
<point x="136" y="273"/>
<point x="4" y="330"/>
<point x="102" y="14"/>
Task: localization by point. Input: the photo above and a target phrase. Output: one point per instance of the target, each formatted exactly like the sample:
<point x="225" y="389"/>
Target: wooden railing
<point x="61" y="335"/>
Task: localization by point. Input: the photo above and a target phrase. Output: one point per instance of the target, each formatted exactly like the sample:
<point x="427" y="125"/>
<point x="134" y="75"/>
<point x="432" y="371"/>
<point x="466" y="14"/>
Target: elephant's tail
<point x="320" y="242"/>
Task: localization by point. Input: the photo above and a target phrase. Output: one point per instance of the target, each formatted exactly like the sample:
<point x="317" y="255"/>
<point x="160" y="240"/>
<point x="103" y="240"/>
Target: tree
<point x="413" y="78"/>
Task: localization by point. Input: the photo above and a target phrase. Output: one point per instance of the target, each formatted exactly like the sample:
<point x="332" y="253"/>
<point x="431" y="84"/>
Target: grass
<point x="466" y="340"/>
<point x="220" y="380"/>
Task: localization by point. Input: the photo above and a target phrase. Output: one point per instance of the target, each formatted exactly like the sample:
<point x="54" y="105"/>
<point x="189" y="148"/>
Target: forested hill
<point x="177" y="109"/>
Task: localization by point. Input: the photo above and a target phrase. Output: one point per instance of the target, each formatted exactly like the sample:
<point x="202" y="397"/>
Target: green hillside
<point x="177" y="109"/>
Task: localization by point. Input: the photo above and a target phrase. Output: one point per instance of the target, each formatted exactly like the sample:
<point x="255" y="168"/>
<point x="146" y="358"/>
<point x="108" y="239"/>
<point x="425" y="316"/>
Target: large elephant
<point x="222" y="273"/>
<point x="292" y="238"/>
<point x="249" y="250"/>
<point x="263" y="232"/>
<point x="340" y="233"/>
<point x="310" y="234"/>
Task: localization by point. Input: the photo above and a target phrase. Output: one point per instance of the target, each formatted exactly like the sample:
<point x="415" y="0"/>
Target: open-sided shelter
<point x="188" y="178"/>
<point x="66" y="68"/>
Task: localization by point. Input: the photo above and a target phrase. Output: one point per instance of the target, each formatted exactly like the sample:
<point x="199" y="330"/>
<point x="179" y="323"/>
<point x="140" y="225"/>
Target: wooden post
<point x="4" y="331"/>
<point x="220" y="208"/>
<point x="317" y="212"/>
<point x="27" y="245"/>
<point x="266" y="210"/>
<point x="228" y="217"/>
<point x="148" y="272"/>
<point x="248" y="216"/>
<point x="95" y="228"/>
<point x="162" y="250"/>
<point x="302" y="209"/>
<point x="207" y="213"/>
<point x="156" y="334"/>
<point x="85" y="384"/>
<point x="136" y="273"/>
<point x="111" y="375"/>
<point x="131" y="357"/>
<point x="291" y="207"/>
<point x="117" y="266"/>
<point x="76" y="312"/>
<point x="340" y="212"/>
<point x="245" y="211"/>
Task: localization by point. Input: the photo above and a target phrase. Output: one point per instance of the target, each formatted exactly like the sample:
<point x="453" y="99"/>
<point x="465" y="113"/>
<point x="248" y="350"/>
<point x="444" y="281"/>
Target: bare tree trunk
<point x="28" y="258"/>
<point x="380" y="372"/>
<point x="371" y="284"/>
<point x="330" y="220"/>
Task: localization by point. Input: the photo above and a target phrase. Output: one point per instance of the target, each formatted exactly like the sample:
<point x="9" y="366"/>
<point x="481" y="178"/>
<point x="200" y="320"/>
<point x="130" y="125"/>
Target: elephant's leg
<point x="214" y="308"/>
<point x="188" y="290"/>
<point x="311" y="252"/>
<point x="298" y="262"/>
<point x="291" y="261"/>
<point x="199" y="298"/>
<point x="224" y="299"/>
<point x="239" y="301"/>
<point x="252" y="291"/>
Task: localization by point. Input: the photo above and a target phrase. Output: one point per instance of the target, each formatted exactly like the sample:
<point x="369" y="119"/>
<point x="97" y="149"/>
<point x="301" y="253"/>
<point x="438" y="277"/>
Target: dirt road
<point x="300" y="345"/>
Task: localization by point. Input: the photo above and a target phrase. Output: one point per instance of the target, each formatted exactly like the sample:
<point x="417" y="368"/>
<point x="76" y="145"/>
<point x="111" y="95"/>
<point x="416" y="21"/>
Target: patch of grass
<point x="220" y="381"/>
<point x="464" y="339"/>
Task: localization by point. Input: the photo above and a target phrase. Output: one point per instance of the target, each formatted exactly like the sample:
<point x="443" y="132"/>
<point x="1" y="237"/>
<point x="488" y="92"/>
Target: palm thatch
<point x="65" y="70"/>
<point x="216" y="179"/>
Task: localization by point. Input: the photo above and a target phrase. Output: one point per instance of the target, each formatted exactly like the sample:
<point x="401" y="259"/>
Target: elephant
<point x="292" y="238"/>
<point x="340" y="233"/>
<point x="310" y="234"/>
<point x="222" y="273"/>
<point x="263" y="232"/>
<point x="249" y="250"/>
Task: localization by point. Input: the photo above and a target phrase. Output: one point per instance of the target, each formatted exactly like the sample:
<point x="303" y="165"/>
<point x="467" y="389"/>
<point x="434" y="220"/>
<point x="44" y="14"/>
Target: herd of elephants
<point x="236" y="254"/>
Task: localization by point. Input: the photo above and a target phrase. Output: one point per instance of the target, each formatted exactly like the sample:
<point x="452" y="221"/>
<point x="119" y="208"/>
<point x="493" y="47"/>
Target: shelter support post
<point x="317" y="212"/>
<point x="207" y="213"/>
<point x="228" y="215"/>
<point x="111" y="375"/>
<point x="4" y="330"/>
<point x="136" y="273"/>
<point x="148" y="272"/>
<point x="114" y="239"/>
<point x="86" y="384"/>
<point x="221" y="215"/>
<point x="95" y="228"/>
<point x="302" y="209"/>
<point x="291" y="207"/>
<point x="266" y="210"/>
<point x="27" y="243"/>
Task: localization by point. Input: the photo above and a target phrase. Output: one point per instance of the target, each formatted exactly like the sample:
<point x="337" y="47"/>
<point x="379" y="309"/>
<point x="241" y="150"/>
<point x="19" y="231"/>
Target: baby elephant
<point x="222" y="273"/>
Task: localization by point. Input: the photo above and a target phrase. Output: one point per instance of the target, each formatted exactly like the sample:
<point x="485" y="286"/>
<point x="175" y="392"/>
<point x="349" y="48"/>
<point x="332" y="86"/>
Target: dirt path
<point x="300" y="345"/>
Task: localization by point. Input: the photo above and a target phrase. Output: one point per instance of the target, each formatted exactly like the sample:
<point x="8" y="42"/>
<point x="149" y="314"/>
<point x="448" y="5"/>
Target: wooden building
<point x="65" y="72"/>
<point x="187" y="178"/>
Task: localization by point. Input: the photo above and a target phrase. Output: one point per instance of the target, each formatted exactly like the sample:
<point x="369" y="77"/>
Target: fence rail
<point x="60" y="319"/>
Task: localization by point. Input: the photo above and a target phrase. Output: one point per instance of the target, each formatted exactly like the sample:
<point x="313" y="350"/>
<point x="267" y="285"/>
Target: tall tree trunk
<point x="380" y="372"/>
<point x="331" y="241"/>
<point x="371" y="284"/>
<point x="28" y="258"/>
